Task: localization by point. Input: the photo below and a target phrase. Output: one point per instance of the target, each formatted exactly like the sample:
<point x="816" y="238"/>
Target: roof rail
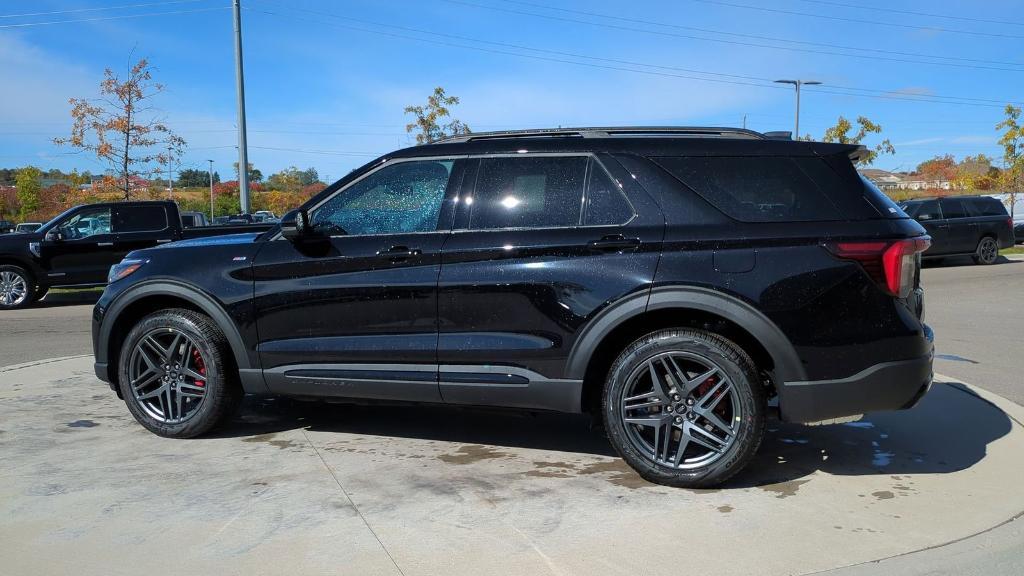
<point x="608" y="132"/>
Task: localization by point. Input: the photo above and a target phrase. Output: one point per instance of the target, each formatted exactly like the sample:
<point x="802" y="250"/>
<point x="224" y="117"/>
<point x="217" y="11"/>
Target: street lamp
<point x="211" y="190"/>
<point x="798" y="84"/>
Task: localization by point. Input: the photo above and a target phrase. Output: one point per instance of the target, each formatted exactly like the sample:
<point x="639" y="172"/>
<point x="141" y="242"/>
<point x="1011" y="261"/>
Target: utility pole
<point x="744" y="121"/>
<point x="798" y="84"/>
<point x="243" y="156"/>
<point x="170" y="181"/>
<point x="211" y="190"/>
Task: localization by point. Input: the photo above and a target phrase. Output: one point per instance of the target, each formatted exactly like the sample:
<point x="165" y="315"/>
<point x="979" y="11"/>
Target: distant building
<point x="886" y="180"/>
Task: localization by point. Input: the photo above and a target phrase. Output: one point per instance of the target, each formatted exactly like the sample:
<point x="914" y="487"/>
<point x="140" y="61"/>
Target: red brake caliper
<point x="200" y="366"/>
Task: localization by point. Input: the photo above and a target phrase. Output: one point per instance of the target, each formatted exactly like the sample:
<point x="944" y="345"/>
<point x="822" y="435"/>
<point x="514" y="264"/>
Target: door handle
<point x="614" y="243"/>
<point x="398" y="253"/>
<point x="104" y="243"/>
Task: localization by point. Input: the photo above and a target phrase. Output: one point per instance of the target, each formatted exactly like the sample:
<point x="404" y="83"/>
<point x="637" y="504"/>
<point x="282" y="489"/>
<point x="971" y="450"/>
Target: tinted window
<point x="986" y="207"/>
<point x="953" y="208"/>
<point x="140" y="219"/>
<point x="528" y="192"/>
<point x="605" y="203"/>
<point x="928" y="210"/>
<point x="754" y="189"/>
<point x="87" y="222"/>
<point x="401" y="198"/>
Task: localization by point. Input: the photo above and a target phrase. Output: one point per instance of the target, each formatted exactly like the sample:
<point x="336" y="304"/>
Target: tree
<point x="428" y="118"/>
<point x="120" y="128"/>
<point x="309" y="176"/>
<point x="976" y="173"/>
<point x="191" y="177"/>
<point x="841" y="133"/>
<point x="289" y="180"/>
<point x="1012" y="141"/>
<point x="938" y="168"/>
<point x="254" y="174"/>
<point x="28" y="185"/>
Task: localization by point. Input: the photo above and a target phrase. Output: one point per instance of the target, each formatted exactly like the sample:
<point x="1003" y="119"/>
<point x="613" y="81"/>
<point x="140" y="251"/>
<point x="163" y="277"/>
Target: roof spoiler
<point x="857" y="153"/>
<point x="779" y="135"/>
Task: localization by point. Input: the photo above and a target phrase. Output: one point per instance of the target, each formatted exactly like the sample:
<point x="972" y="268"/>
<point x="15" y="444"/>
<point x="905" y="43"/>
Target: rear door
<point x="139" y="226"/>
<point x="962" y="229"/>
<point x="541" y="244"/>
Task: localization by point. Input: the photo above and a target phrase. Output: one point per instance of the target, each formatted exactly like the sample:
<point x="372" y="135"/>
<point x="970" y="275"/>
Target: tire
<point x="17" y="288"/>
<point x="195" y="387"/>
<point x="987" y="251"/>
<point x="694" y="354"/>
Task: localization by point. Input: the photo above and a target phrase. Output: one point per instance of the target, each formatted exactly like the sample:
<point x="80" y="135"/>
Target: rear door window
<point x="140" y="219"/>
<point x="953" y="208"/>
<point x="528" y="192"/>
<point x="755" y="189"/>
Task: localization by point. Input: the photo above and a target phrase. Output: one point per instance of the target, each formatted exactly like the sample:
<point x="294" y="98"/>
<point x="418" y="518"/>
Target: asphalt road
<point x="977" y="313"/>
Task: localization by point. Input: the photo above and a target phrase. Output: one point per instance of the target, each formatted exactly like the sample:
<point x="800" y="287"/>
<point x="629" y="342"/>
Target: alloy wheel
<point x="13" y="288"/>
<point x="167" y="372"/>
<point x="988" y="251"/>
<point x="680" y="410"/>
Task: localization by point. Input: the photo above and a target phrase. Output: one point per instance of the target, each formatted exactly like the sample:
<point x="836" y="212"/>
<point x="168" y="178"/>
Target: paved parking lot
<point x="326" y="489"/>
<point x="418" y="490"/>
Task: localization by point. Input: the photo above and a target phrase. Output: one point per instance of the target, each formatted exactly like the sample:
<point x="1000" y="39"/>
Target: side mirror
<point x="54" y="235"/>
<point x="295" y="225"/>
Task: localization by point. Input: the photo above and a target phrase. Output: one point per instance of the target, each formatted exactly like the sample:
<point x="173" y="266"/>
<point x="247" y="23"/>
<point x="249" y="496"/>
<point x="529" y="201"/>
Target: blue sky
<point x="328" y="92"/>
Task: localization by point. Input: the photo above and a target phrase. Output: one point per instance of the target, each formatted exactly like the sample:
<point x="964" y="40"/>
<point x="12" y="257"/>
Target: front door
<point x="355" y="314"/>
<point x="82" y="250"/>
<point x="930" y="217"/>
<point x="541" y="244"/>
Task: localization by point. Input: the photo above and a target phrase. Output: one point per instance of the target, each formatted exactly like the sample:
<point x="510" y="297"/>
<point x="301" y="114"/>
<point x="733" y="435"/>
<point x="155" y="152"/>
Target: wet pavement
<point x="311" y="488"/>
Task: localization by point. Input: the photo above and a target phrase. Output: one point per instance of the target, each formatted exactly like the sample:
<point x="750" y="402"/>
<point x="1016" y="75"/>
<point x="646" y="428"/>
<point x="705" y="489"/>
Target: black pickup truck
<point x="78" y="247"/>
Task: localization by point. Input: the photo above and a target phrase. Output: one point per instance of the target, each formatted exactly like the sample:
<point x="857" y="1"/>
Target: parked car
<point x="193" y="220"/>
<point x="667" y="281"/>
<point x="978" y="226"/>
<point x="78" y="247"/>
<point x="28" y="227"/>
<point x="1018" y="231"/>
<point x="6" y="226"/>
<point x="265" y="215"/>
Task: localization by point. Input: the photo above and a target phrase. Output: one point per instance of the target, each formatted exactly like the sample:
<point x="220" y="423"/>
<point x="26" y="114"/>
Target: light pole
<point x="211" y="190"/>
<point x="798" y="84"/>
<point x="243" y="153"/>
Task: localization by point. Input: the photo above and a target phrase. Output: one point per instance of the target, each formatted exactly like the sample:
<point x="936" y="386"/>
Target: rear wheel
<point x="173" y="374"/>
<point x="684" y="407"/>
<point x="987" y="251"/>
<point x="17" y="287"/>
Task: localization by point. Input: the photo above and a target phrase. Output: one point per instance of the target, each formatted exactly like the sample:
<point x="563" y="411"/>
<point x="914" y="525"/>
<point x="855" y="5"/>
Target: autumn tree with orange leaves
<point x="121" y="127"/>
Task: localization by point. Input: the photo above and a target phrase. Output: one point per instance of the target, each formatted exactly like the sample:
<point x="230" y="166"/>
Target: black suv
<point x="670" y="281"/>
<point x="963" y="225"/>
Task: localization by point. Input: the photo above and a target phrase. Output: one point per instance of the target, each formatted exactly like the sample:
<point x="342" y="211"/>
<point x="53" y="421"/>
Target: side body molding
<point x="787" y="364"/>
<point x="249" y="371"/>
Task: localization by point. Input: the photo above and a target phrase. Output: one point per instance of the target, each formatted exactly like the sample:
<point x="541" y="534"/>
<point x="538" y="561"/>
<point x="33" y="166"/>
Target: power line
<point x="327" y="152"/>
<point x="719" y="77"/>
<point x="914" y="13"/>
<point x="860" y="21"/>
<point x="100" y="8"/>
<point x="169" y="13"/>
<point x="736" y="42"/>
<point x="753" y="36"/>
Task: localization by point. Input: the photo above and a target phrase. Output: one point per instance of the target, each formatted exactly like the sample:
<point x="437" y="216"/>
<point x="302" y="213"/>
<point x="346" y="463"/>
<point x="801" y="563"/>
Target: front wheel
<point x="174" y="374"/>
<point x="684" y="407"/>
<point x="987" y="251"/>
<point x="16" y="288"/>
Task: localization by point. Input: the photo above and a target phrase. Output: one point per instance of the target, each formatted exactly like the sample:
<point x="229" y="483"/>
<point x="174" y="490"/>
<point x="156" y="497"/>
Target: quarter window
<point x="605" y="203"/>
<point x="528" y="192"/>
<point x="402" y="198"/>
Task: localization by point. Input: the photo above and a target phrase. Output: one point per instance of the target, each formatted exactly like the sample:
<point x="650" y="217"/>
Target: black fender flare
<point x="788" y="367"/>
<point x="193" y="295"/>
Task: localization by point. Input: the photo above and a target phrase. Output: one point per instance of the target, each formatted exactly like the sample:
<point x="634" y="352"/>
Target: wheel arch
<point x="670" y="307"/>
<point x="7" y="260"/>
<point x="144" y="299"/>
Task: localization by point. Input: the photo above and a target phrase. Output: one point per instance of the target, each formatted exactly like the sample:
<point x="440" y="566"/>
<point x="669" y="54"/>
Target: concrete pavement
<point x="310" y="488"/>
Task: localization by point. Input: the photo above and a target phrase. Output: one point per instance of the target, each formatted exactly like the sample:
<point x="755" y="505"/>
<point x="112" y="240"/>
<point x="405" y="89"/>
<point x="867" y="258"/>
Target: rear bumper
<point x="895" y="385"/>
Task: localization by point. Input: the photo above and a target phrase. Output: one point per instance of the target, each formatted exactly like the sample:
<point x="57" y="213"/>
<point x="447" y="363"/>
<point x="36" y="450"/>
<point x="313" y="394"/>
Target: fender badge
<point x="238" y="259"/>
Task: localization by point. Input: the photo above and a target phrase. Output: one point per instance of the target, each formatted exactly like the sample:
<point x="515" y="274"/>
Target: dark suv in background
<point x="963" y="225"/>
<point x="670" y="281"/>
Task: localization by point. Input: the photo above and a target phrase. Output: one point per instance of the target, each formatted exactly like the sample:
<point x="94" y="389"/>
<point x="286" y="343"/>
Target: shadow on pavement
<point x="948" y="431"/>
<point x="953" y="261"/>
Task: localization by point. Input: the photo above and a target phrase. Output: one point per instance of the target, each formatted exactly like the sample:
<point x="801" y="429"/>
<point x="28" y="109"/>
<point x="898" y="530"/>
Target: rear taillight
<point x="891" y="263"/>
